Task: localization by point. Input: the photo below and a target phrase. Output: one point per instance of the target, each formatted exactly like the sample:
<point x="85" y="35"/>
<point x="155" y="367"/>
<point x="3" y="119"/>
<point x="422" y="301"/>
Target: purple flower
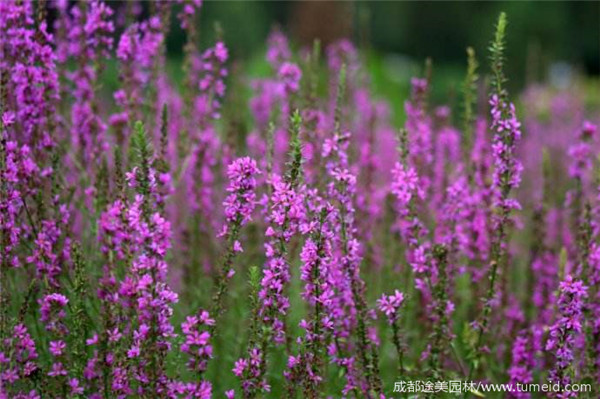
<point x="197" y="341"/>
<point x="522" y="364"/>
<point x="286" y="216"/>
<point x="406" y="186"/>
<point x="563" y="333"/>
<point x="507" y="171"/>
<point x="211" y="84"/>
<point x="18" y="356"/>
<point x="342" y="52"/>
<point x="57" y="370"/>
<point x="278" y="50"/>
<point x="419" y="128"/>
<point x="241" y="201"/>
<point x="581" y="152"/>
<point x="389" y="305"/>
<point x="27" y="56"/>
<point x="248" y="370"/>
<point x="91" y="37"/>
<point x="52" y="309"/>
<point x="588" y="130"/>
<point x="290" y="75"/>
<point x="189" y="9"/>
<point x="76" y="389"/>
<point x="19" y="173"/>
<point x="57" y="347"/>
<point x="221" y="52"/>
<point x="240" y="366"/>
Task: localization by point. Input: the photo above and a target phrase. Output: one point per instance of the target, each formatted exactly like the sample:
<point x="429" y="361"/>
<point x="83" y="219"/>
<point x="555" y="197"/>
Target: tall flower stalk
<point x="286" y="215"/>
<point x="564" y="331"/>
<point x="506" y="177"/>
<point x="341" y="190"/>
<point x="307" y="367"/>
<point x="239" y="206"/>
<point x="442" y="334"/>
<point x="390" y="306"/>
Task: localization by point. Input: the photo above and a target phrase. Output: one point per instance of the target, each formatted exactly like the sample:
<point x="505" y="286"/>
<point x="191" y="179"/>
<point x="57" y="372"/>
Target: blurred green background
<point x="568" y="30"/>
<point x="546" y="31"/>
<point x="546" y="40"/>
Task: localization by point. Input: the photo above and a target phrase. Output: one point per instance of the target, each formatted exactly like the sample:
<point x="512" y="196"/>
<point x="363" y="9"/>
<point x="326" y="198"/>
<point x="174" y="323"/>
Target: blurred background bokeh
<point x="541" y="33"/>
<point x="547" y="41"/>
<point x="561" y="30"/>
<point x="556" y="43"/>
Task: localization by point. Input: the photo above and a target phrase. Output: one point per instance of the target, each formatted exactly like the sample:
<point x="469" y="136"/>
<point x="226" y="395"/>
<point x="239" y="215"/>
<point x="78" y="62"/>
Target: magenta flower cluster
<point x="183" y="229"/>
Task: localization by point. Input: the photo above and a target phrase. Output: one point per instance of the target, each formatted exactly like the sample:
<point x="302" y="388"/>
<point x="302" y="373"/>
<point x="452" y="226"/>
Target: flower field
<point x="198" y="231"/>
